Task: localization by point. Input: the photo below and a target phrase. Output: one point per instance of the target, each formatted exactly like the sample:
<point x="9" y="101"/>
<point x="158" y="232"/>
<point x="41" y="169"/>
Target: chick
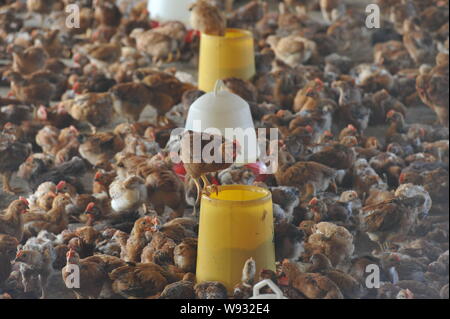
<point x="128" y="194"/>
<point x="293" y="49"/>
<point x="333" y="241"/>
<point x="432" y="86"/>
<point x="207" y="18"/>
<point x="348" y="285"/>
<point x="211" y="290"/>
<point x="130" y="99"/>
<point x="312" y="285"/>
<point x="158" y="46"/>
<point x="185" y="255"/>
<point x="36" y="263"/>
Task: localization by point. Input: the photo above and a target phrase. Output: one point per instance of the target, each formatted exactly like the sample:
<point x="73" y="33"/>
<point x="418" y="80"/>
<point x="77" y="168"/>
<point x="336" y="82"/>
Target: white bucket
<point x="222" y="110"/>
<point x="169" y="10"/>
<point x="264" y="283"/>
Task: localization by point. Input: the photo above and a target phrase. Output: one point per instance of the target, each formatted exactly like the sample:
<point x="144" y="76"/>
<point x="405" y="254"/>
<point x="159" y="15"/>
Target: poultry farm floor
<point x="415" y="114"/>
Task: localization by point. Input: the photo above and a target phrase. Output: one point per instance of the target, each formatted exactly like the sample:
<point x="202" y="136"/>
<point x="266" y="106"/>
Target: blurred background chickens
<point x="86" y="144"/>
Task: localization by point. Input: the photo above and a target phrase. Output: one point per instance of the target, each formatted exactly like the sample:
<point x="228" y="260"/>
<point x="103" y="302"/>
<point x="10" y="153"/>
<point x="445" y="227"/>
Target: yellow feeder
<point x="229" y="56"/>
<point x="235" y="224"/>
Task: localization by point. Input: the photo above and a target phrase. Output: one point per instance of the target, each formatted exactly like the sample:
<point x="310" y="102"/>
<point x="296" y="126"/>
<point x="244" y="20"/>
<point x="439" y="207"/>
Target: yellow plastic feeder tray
<point x="235" y="224"/>
<point x="229" y="56"/>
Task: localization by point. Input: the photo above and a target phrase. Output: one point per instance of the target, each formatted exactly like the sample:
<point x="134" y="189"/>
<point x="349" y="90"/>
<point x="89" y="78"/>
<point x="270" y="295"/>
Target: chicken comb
<point x="97" y="175"/>
<point x="283" y="281"/>
<point x="76" y="86"/>
<point x="90" y="206"/>
<point x="73" y="129"/>
<point x="309" y="128"/>
<point x="154" y="24"/>
<point x="60" y="185"/>
<point x="351" y="127"/>
<point x="70" y="253"/>
<point x="8" y="125"/>
<point x="313" y="201"/>
<point x="76" y="57"/>
<point x="401" y="179"/>
<point x="191" y="35"/>
<point x="390" y="113"/>
<point x="320" y="83"/>
<point x="23" y="199"/>
<point x="327" y="133"/>
<point x="19" y="253"/>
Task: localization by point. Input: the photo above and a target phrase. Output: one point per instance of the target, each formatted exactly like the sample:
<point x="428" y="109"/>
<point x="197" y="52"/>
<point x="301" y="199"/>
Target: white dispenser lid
<point x="222" y="112"/>
<point x="169" y="10"/>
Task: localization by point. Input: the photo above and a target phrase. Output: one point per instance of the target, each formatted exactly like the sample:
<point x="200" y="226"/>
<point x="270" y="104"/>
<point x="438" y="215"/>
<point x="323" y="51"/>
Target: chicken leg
<point x="6" y="177"/>
<point x="208" y="187"/>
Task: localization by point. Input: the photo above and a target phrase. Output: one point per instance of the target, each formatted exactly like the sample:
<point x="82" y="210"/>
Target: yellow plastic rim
<point x="231" y="34"/>
<point x="255" y="195"/>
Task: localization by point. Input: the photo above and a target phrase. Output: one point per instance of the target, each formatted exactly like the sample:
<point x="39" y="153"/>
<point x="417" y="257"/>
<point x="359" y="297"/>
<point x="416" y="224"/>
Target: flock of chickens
<point x="101" y="192"/>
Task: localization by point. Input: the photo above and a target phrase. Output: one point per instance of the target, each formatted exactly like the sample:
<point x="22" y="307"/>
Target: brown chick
<point x="183" y="289"/>
<point x="40" y="263"/>
<point x="54" y="221"/>
<point x="185" y="255"/>
<point x="159" y="46"/>
<point x="11" y="222"/>
<point x="31" y="89"/>
<point x="349" y="286"/>
<point x="312" y="285"/>
<point x="211" y="290"/>
<point x="298" y="174"/>
<point x="8" y="248"/>
<point x="333" y="241"/>
<point x="390" y="220"/>
<point x="336" y="156"/>
<point x="207" y="18"/>
<point x="245" y="89"/>
<point x="195" y="165"/>
<point x="92" y="276"/>
<point x="42" y="7"/>
<point x="248" y="14"/>
<point x="29" y="60"/>
<point x="94" y="108"/>
<point x="432" y="86"/>
<point x="12" y="154"/>
<point x="159" y="243"/>
<point x="107" y="13"/>
<point x="100" y="147"/>
<point x="418" y="42"/>
<point x="176" y="229"/>
<point x="164" y="188"/>
<point x="137" y="240"/>
<point x="288" y="241"/>
<point x="293" y="49"/>
<point x="140" y="280"/>
<point x="130" y="99"/>
<point x="102" y="180"/>
<point x="102" y="55"/>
